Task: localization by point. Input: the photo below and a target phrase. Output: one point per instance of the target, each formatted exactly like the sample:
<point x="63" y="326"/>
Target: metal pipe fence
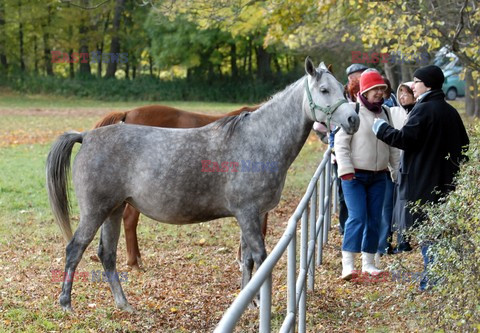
<point x="314" y="213"/>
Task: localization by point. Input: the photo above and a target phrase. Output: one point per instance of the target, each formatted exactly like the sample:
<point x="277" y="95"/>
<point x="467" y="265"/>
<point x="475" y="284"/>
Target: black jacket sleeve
<point x="412" y="135"/>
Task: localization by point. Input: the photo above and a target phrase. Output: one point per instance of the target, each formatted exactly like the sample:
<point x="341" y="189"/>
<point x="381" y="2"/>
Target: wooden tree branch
<point x="459" y="27"/>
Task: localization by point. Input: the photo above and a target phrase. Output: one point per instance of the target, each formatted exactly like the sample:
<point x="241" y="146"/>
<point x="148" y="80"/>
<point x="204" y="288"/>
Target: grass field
<point x="191" y="276"/>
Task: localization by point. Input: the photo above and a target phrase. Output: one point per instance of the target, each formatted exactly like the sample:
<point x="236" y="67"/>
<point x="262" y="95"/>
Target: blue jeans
<point x="364" y="197"/>
<point x="386" y="225"/>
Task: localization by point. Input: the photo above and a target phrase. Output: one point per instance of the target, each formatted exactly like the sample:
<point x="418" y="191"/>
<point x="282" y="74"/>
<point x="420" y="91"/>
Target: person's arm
<point x="411" y="137"/>
<point x="343" y="154"/>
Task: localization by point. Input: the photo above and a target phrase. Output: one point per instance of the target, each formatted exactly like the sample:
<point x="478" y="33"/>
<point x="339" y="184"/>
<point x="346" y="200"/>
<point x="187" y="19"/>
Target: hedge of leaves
<point x="454" y="230"/>
<point x="246" y="90"/>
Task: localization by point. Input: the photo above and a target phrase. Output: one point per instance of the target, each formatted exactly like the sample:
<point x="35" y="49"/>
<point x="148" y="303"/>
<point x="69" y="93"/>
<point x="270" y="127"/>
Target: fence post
<point x="291" y="278"/>
<point x="312" y="224"/>
<point x="266" y="305"/>
<point x="321" y="216"/>
<point x="328" y="191"/>
<point x="302" y="307"/>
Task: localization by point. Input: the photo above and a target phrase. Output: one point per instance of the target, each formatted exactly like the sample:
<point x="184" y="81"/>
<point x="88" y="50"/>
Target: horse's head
<point x="324" y="100"/>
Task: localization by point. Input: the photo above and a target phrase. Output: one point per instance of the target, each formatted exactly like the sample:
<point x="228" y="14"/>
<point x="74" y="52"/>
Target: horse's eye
<point x="323" y="90"/>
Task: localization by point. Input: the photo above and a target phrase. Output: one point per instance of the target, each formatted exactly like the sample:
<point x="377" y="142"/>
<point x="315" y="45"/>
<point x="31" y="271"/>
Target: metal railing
<point x="314" y="226"/>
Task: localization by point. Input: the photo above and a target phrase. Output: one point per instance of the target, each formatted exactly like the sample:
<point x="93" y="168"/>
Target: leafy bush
<point x="454" y="230"/>
<point x="152" y="89"/>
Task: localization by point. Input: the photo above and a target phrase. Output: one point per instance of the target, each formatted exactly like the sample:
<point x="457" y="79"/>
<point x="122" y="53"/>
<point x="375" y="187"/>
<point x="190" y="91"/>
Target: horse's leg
<point x="247" y="263"/>
<point x="264" y="225"/>
<point x="254" y="247"/>
<point x="107" y="252"/>
<point x="130" y="223"/>
<point x="239" y="251"/>
<point x="239" y="254"/>
<point x="84" y="234"/>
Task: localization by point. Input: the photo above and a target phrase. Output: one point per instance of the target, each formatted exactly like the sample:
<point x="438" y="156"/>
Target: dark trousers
<point x="342" y="209"/>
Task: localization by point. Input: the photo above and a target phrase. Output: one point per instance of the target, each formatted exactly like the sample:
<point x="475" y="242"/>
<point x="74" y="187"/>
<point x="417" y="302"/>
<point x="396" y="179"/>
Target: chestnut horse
<point x="161" y="116"/>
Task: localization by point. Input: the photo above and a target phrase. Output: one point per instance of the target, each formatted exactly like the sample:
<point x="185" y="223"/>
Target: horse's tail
<point x="111" y="118"/>
<point x="57" y="171"/>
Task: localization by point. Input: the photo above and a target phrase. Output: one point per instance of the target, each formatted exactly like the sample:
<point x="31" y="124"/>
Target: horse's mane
<point x="231" y="122"/>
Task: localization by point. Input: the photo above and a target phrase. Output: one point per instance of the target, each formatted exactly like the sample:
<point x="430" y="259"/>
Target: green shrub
<point x="453" y="227"/>
<point x="146" y="88"/>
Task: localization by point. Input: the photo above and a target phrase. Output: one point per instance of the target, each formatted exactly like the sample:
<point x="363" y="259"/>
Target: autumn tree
<point x="414" y="26"/>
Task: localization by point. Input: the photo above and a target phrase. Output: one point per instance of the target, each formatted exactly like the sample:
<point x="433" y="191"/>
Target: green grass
<point x="22" y="180"/>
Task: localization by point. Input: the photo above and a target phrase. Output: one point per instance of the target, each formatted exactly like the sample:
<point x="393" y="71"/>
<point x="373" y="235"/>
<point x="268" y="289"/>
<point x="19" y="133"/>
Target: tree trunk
<point x="115" y="45"/>
<point x="477" y="101"/>
<point x="250" y="47"/>
<point x="405" y="73"/>
<point x="47" y="54"/>
<point x="390" y="73"/>
<point x="3" y="56"/>
<point x="469" y="93"/>
<point x="264" y="71"/>
<point x="233" y="60"/>
<point x="150" y="65"/>
<point x="70" y="51"/>
<point x="35" y="52"/>
<point x="102" y="44"/>
<point x="99" y="59"/>
<point x="71" y="65"/>
<point x="85" y="69"/>
<point x="20" y="36"/>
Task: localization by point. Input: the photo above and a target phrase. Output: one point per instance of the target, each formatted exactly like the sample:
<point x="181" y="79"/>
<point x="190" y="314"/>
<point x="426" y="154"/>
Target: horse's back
<point x="169" y="117"/>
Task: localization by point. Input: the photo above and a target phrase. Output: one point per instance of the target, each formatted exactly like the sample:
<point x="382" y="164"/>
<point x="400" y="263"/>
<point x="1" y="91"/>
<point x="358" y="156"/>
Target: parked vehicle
<point x="453" y="86"/>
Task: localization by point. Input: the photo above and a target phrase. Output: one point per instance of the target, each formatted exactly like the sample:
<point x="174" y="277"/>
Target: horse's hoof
<point x="240" y="265"/>
<point x="254" y="304"/>
<point x="65" y="303"/>
<point x="136" y="267"/>
<point x="67" y="308"/>
<point x="127" y="307"/>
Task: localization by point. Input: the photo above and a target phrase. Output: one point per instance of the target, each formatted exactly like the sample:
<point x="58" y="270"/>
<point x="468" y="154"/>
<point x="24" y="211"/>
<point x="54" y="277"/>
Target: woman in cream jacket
<point x="363" y="165"/>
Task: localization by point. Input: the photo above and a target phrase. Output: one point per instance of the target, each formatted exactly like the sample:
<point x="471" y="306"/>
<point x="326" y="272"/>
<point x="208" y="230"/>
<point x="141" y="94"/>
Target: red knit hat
<point x="371" y="79"/>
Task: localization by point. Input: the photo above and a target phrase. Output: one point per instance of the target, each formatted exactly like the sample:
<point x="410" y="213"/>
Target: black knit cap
<point x="431" y="76"/>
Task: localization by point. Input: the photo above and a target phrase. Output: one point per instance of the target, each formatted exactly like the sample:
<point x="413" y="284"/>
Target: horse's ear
<point x="322" y="66"/>
<point x="309" y="67"/>
<point x="330" y="68"/>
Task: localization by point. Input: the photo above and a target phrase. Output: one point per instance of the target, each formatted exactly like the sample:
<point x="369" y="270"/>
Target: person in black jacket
<point x="434" y="141"/>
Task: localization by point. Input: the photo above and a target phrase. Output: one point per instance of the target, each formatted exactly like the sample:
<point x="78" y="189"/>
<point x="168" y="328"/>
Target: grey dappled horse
<point x="159" y="172"/>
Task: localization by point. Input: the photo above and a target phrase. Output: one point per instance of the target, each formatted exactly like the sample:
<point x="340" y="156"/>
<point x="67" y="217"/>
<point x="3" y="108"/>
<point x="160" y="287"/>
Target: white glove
<point x="377" y="124"/>
<point x="393" y="175"/>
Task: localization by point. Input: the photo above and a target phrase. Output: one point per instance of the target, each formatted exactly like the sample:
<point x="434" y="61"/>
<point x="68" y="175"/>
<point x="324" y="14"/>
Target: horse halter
<point x="328" y="110"/>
